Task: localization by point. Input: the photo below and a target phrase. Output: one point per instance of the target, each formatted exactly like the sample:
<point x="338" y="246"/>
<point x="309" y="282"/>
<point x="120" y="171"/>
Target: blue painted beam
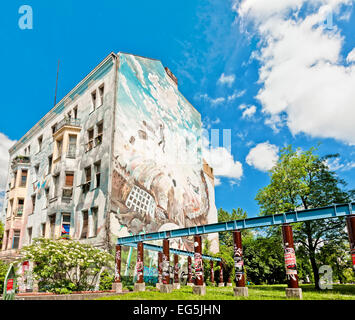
<point x="334" y="211"/>
<point x="153" y="247"/>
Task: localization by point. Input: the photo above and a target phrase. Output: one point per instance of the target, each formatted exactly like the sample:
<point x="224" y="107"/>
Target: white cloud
<point x="249" y="112"/>
<point x="236" y="95"/>
<point x="5" y="145"/>
<point x="226" y="80"/>
<point x="351" y="56"/>
<point x="335" y="164"/>
<point x="222" y="162"/>
<point x="305" y="84"/>
<point x="263" y="156"/>
<point x="213" y="101"/>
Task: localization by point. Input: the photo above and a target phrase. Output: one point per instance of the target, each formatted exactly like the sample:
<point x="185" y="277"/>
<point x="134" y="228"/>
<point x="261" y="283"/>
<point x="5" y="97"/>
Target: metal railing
<point x="67" y="122"/>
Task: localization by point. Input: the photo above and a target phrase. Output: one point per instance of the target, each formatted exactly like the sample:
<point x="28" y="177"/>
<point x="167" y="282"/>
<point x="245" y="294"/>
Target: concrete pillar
<point x="189" y="272"/>
<point x="293" y="290"/>
<point x="117" y="285"/>
<point x="166" y="287"/>
<point x="350" y="222"/>
<point x="140" y="285"/>
<point x="240" y="289"/>
<point x="221" y="281"/>
<point x="199" y="287"/>
<point x="212" y="273"/>
<point x="160" y="270"/>
<point x="176" y="284"/>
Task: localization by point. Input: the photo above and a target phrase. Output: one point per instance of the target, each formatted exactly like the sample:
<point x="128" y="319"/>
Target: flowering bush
<point x="63" y="266"/>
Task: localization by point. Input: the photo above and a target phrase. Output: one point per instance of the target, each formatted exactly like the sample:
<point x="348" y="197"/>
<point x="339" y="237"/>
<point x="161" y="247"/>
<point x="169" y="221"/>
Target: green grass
<point x="262" y="292"/>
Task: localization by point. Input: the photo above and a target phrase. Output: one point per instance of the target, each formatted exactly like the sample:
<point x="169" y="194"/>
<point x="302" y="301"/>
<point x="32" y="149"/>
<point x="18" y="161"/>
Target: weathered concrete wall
<point x="41" y="179"/>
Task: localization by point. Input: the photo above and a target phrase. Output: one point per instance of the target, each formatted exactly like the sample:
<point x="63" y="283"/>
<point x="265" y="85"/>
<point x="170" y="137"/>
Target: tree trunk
<point x="315" y="269"/>
<point x="312" y="255"/>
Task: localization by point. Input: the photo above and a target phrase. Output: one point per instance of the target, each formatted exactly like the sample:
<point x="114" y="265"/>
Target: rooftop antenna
<point x="56" y="85"/>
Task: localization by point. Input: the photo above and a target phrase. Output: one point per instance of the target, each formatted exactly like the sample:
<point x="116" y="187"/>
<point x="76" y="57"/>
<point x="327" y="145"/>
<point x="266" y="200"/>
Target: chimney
<point x="171" y="75"/>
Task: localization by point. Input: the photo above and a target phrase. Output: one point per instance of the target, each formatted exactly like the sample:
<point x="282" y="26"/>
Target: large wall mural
<point x="157" y="181"/>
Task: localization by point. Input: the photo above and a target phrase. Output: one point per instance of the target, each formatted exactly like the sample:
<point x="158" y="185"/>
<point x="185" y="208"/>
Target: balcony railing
<point x="67" y="193"/>
<point x="67" y="122"/>
<point x="20" y="160"/>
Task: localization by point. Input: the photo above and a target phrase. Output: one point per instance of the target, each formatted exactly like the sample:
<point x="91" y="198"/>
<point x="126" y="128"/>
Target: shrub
<point x="64" y="266"/>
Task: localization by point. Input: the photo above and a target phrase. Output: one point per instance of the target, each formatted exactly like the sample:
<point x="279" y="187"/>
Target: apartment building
<point x="120" y="154"/>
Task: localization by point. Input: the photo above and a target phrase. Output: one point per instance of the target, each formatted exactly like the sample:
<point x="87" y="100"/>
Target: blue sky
<point x="274" y="74"/>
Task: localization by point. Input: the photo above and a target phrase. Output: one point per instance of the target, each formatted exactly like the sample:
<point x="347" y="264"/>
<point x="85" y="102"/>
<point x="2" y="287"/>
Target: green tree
<point x="4" y="267"/>
<point x="1" y="233"/>
<point x="263" y="259"/>
<point x="303" y="180"/>
<point x="64" y="266"/>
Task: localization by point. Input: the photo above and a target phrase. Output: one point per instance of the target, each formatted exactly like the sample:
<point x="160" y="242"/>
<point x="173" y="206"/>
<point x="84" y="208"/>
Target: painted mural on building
<point x="158" y="181"/>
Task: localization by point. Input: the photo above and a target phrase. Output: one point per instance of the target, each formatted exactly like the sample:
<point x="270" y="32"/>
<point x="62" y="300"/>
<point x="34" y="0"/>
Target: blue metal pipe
<point x="153" y="247"/>
<point x="334" y="211"/>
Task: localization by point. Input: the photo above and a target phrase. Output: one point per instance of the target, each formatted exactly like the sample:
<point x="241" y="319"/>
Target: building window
<point x="65" y="225"/>
<point x="43" y="230"/>
<point x="90" y="143"/>
<point x="84" y="230"/>
<point x="97" y="173"/>
<point x="16" y="239"/>
<point x="15" y="179"/>
<point x="87" y="179"/>
<point x="20" y="205"/>
<point x="94" y="212"/>
<point x="47" y="196"/>
<point x="29" y="234"/>
<point x="54" y="128"/>
<point x="69" y="179"/>
<point x="23" y="178"/>
<point x="68" y="187"/>
<point x="52" y="226"/>
<point x="33" y="197"/>
<point x="37" y="170"/>
<point x="101" y="93"/>
<point x="56" y="185"/>
<point x="93" y="98"/>
<point x="72" y="147"/>
<point x="50" y="160"/>
<point x="100" y="129"/>
<point x="59" y="144"/>
<point x="40" y="140"/>
<point x="75" y="111"/>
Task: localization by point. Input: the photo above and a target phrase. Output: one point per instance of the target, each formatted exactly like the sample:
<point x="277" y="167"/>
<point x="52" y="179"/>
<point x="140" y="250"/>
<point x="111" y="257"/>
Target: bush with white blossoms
<point x="64" y="266"/>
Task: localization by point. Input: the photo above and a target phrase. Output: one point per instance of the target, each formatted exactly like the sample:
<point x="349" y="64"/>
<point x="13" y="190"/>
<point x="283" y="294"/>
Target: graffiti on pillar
<point x="290" y="263"/>
<point x="165" y="266"/>
<point x="118" y="260"/>
<point x="139" y="269"/>
<point x="238" y="263"/>
<point x="198" y="266"/>
<point x="176" y="268"/>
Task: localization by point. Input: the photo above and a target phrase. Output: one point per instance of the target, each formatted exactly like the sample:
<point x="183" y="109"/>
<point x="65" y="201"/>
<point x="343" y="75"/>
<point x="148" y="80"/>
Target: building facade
<point x="120" y="154"/>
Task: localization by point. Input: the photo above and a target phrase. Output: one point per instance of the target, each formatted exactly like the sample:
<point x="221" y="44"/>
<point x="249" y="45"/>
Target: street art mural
<point x="157" y="181"/>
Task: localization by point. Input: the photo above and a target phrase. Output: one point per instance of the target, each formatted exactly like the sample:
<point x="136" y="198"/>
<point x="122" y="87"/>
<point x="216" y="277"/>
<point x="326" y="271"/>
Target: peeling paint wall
<point x="40" y="178"/>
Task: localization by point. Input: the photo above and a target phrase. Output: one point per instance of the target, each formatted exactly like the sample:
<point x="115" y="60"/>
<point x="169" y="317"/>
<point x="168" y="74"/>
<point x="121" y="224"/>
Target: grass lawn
<point x="262" y="292"/>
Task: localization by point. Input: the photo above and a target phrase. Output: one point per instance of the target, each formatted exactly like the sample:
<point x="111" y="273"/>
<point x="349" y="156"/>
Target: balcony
<point x="20" y="160"/>
<point x="67" y="193"/>
<point x="67" y="122"/>
<point x="19" y="211"/>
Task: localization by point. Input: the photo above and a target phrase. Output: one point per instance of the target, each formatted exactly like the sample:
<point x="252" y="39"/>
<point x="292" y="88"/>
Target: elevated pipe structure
<point x="334" y="211"/>
<point x="153" y="247"/>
